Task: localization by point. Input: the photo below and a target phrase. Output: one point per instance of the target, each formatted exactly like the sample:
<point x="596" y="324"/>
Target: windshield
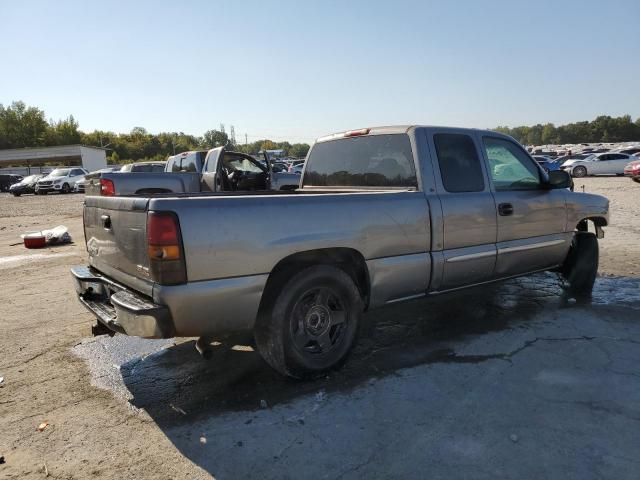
<point x="29" y="179"/>
<point x="60" y="172"/>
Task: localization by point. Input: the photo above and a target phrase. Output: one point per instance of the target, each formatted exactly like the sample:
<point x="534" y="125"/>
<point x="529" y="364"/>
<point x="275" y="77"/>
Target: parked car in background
<point x="26" y="185"/>
<point x="545" y="162"/>
<point x="632" y="169"/>
<point x="598" y="164"/>
<point x="296" y="167"/>
<point x="61" y="180"/>
<point x="82" y="183"/>
<point x="575" y="156"/>
<point x="144" y="167"/>
<point x="630" y="150"/>
<point x="8" y="179"/>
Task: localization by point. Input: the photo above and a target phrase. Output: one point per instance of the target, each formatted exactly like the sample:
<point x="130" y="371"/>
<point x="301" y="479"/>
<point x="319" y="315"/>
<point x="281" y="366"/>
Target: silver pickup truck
<point x="215" y="170"/>
<point x="383" y="215"/>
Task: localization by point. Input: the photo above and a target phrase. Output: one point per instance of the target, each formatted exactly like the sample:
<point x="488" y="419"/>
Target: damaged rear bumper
<point x="119" y="308"/>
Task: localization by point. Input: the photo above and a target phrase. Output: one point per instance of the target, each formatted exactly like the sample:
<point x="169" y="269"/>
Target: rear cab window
<point x="460" y="167"/>
<point x="362" y="161"/>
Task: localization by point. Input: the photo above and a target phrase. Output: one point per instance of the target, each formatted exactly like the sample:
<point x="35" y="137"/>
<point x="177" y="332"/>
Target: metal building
<point x="25" y="159"/>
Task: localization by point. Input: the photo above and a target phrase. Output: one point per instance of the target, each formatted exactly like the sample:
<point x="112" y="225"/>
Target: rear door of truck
<point x="116" y="236"/>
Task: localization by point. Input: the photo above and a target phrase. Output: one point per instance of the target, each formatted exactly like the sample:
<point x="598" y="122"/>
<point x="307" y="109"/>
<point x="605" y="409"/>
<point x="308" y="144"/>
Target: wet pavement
<point x="509" y="381"/>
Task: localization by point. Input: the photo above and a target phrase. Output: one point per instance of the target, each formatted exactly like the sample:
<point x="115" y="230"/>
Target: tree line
<point x="603" y="129"/>
<point x="26" y="126"/>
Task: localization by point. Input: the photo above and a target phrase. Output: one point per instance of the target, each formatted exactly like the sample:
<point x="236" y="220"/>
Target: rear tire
<point x="16" y="194"/>
<point x="581" y="265"/>
<point x="312" y="324"/>
<point x="579" y="172"/>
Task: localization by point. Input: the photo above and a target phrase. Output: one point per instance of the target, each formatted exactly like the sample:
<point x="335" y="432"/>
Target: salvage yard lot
<point x="509" y="381"/>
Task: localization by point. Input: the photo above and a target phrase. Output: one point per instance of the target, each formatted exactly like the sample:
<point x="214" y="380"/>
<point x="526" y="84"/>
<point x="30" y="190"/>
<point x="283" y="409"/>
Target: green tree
<point x="214" y="138"/>
<point x="22" y="126"/>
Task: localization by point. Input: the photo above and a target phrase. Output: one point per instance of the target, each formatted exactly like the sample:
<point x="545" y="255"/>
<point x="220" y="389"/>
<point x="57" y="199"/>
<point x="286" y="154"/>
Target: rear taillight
<point x="164" y="247"/>
<point x="107" y="189"/>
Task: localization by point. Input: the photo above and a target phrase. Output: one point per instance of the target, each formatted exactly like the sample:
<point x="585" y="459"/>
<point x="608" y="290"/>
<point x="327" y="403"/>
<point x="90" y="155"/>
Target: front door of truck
<point x="211" y="180"/>
<point x="468" y="209"/>
<point x="531" y="218"/>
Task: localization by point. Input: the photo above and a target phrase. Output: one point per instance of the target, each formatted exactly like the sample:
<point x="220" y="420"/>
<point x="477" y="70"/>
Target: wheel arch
<point x="597" y="221"/>
<point x="349" y="260"/>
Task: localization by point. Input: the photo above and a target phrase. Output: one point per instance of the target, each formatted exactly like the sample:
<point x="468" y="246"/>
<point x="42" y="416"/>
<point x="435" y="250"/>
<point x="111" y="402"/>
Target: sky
<point x="297" y="70"/>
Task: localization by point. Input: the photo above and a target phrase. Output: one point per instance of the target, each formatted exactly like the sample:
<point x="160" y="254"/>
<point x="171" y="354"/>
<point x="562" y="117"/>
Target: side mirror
<point x="559" y="179"/>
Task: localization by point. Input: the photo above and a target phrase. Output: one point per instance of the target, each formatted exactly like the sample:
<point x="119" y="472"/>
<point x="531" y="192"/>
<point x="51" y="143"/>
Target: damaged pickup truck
<point x="216" y="170"/>
<point x="382" y="215"/>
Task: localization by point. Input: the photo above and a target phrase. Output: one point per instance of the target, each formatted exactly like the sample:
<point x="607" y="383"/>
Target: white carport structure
<point x="90" y="158"/>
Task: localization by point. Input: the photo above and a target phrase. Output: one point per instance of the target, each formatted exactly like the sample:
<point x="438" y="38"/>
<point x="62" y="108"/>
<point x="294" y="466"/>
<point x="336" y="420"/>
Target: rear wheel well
<point x="347" y="259"/>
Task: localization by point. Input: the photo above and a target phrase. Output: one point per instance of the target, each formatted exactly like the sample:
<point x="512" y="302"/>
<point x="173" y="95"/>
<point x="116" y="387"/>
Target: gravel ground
<point x="510" y="381"/>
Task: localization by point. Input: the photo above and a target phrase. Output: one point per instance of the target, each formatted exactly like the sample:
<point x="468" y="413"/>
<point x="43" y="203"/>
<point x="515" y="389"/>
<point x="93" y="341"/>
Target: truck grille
<point x="45" y="184"/>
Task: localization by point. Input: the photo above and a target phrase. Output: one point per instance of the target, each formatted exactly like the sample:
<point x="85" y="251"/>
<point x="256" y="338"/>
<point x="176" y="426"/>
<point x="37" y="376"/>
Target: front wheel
<point x="312" y="324"/>
<point x="66" y="188"/>
<point x="16" y="194"/>
<point x="581" y="265"/>
<point x="579" y="172"/>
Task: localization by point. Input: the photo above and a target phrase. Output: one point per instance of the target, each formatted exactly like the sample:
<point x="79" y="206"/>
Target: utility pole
<point x="245" y="139"/>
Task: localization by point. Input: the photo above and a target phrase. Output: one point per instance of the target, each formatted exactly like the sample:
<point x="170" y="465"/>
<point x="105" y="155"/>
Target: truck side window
<point x="362" y="161"/>
<point x="459" y="163"/>
<point x="174" y="165"/>
<point x="189" y="164"/>
<point x="509" y="166"/>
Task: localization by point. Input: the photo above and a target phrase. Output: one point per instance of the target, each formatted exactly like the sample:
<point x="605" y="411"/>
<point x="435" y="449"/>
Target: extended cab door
<point x="211" y="180"/>
<point x="468" y="209"/>
<point x="531" y="218"/>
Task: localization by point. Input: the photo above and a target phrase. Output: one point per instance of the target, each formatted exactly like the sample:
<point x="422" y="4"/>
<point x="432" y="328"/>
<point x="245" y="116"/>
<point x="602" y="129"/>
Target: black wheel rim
<point x="318" y="322"/>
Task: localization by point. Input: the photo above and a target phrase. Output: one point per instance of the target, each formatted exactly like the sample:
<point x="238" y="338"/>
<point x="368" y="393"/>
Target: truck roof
<point x="391" y="129"/>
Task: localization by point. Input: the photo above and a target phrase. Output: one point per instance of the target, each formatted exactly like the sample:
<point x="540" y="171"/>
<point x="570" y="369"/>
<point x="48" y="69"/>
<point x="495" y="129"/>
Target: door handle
<point x="106" y="222"/>
<point x="505" y="209"/>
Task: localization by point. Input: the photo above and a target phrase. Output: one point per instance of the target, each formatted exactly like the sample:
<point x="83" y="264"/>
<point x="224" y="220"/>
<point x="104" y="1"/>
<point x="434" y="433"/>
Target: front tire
<point x="312" y="325"/>
<point x="581" y="265"/>
<point x="65" y="188"/>
<point x="579" y="172"/>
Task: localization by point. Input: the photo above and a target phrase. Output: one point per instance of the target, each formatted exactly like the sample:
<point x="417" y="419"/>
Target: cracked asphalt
<point x="511" y="381"/>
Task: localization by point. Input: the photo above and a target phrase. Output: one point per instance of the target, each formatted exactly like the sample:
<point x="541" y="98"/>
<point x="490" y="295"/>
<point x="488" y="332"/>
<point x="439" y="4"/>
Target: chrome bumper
<point x="119" y="308"/>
